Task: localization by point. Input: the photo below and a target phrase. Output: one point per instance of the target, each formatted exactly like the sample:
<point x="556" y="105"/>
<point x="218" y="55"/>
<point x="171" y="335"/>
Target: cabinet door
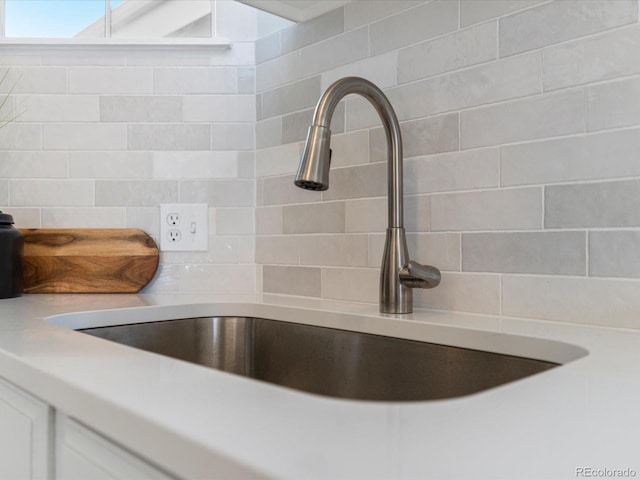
<point x="25" y="435"/>
<point x="82" y="454"/>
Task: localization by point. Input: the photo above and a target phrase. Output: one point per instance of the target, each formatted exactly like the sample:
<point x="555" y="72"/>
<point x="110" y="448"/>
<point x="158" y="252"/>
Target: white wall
<point x="520" y="121"/>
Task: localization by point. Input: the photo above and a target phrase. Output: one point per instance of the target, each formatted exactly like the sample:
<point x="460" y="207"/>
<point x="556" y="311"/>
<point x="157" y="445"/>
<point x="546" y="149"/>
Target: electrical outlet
<point x="184" y="227"/>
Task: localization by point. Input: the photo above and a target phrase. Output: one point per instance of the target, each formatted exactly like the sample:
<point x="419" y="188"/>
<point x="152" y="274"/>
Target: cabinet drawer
<point x="82" y="454"/>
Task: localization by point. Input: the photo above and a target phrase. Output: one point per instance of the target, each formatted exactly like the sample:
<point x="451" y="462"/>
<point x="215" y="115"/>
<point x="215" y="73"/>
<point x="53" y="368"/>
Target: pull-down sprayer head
<point x="313" y="171"/>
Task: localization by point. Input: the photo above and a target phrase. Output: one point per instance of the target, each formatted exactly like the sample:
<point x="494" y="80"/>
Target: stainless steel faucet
<point x="398" y="275"/>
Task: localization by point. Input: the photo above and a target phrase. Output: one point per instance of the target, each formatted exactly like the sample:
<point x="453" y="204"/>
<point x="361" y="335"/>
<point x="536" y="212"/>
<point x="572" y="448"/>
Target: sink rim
<point x="533" y="347"/>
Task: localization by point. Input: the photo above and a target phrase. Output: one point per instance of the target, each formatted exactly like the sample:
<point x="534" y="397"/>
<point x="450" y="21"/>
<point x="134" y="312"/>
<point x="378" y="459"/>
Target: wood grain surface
<point x="88" y="260"/>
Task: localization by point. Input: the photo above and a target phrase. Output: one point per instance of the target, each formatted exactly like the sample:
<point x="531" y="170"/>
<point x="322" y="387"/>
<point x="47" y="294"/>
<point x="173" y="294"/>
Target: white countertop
<point x="195" y="421"/>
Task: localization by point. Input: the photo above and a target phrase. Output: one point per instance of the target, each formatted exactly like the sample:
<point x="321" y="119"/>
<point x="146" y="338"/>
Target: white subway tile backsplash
<point x="84" y="217"/>
<point x="366" y="215"/>
<point x="39" y="80"/>
<point x="137" y="108"/>
<point x="219" y="108"/>
<point x="525" y="119"/>
<point x="21" y="136"/>
<point x="246" y="80"/>
<point x="58" y="108"/>
<point x="462" y="292"/>
<point x="218" y="193"/>
<point x="225" y="249"/>
<point x="268" y="220"/>
<point x="84" y="136"/>
<point x="278" y="160"/>
<point x="512" y="209"/>
<point x="417" y="213"/>
<point x="555" y="22"/>
<point x="281" y="70"/>
<point x="614" y="253"/>
<point x="111" y="80"/>
<point x="475" y="11"/>
<point x="357" y="14"/>
<point x="267" y="48"/>
<point x="584" y="157"/>
<point x="352" y="284"/>
<point x="222" y="278"/>
<point x="175" y="136"/>
<point x="380" y="69"/>
<point x="247" y="165"/>
<point x="110" y="165"/>
<point x="426" y="136"/>
<point x="609" y="105"/>
<point x="269" y="132"/>
<point x="313" y="31"/>
<point x="305" y="281"/>
<point x="356" y="182"/>
<point x="235" y="221"/>
<point x="30" y="164"/>
<point x="198" y="165"/>
<point x="561" y="253"/>
<point x="135" y="193"/>
<point x="195" y="80"/>
<point x="606" y="56"/>
<point x="360" y="114"/>
<point x="334" y="250"/>
<point x="51" y="193"/>
<point x="602" y="204"/>
<point x="441" y="250"/>
<point x="451" y="52"/>
<point x="277" y="249"/>
<point x="145" y="218"/>
<point x="350" y="148"/>
<point x="291" y="98"/>
<point x="470" y="169"/>
<point x="234" y="136"/>
<point x="511" y="78"/>
<point x="411" y="26"/>
<point x="325" y="217"/>
<point x="591" y="301"/>
<point x="520" y="127"/>
<point x="295" y="126"/>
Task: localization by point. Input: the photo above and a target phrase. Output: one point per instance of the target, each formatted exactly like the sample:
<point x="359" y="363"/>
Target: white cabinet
<point x="25" y="435"/>
<point x="82" y="454"/>
<point x="29" y="448"/>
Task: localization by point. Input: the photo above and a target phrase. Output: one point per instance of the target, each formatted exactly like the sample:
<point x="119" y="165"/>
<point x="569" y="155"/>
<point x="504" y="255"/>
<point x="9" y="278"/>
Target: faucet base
<point x="394" y="296"/>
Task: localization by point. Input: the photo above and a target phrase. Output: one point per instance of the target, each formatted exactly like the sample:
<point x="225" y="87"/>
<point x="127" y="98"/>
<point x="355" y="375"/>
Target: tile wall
<point x="521" y="125"/>
<point x="107" y="134"/>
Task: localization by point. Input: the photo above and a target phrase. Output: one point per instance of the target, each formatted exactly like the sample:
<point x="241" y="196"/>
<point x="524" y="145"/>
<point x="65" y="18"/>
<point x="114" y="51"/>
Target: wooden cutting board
<point x="88" y="260"/>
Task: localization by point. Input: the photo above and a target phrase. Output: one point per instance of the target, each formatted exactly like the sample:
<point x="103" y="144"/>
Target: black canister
<point x="11" y="255"/>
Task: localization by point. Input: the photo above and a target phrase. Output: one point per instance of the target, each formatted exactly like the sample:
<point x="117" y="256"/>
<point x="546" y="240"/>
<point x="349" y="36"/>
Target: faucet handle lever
<point x="415" y="275"/>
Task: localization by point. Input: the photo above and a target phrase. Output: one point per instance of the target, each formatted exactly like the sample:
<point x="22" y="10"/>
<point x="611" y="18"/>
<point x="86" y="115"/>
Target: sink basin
<point x="326" y="361"/>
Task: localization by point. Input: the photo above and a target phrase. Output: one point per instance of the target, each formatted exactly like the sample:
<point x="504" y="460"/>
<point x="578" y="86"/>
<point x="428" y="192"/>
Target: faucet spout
<point x="398" y="275"/>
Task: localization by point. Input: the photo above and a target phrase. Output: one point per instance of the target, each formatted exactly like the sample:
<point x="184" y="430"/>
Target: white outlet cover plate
<point x="192" y="223"/>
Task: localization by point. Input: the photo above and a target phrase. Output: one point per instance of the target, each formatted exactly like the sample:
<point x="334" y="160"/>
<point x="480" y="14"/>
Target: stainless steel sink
<point x="326" y="361"/>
